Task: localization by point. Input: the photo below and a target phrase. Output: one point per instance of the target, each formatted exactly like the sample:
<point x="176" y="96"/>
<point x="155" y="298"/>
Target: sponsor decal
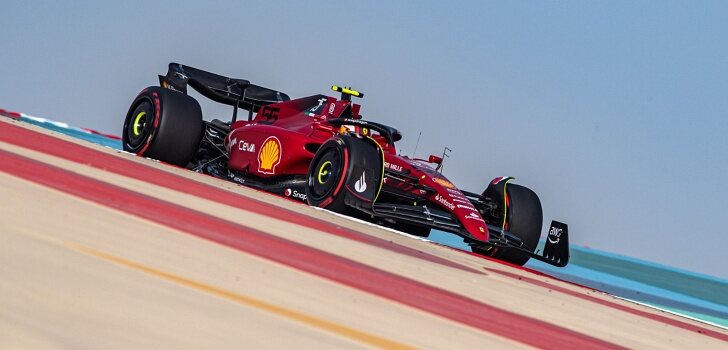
<point x="331" y="108"/>
<point x="424" y="166"/>
<point x="474" y="216"/>
<point x="554" y="235"/>
<point x="230" y="144"/>
<point x="427" y="211"/>
<point x="361" y="184"/>
<point x="440" y="199"/>
<point x="461" y="200"/>
<point x="180" y="74"/>
<point x="466" y="207"/>
<point x="482" y="230"/>
<point x="443" y="182"/>
<point x="246" y="147"/>
<point x="237" y="179"/>
<point x="317" y="109"/>
<point x="299" y="195"/>
<point x="295" y="194"/>
<point x="454" y="191"/>
<point x="356" y="121"/>
<point x="269" y="155"/>
<point x="394" y="167"/>
<point x="167" y="85"/>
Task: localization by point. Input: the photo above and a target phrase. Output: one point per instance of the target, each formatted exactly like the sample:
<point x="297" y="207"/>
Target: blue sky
<point x="616" y="113"/>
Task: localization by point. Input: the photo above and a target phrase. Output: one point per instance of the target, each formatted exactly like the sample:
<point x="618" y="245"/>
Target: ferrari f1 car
<point x="319" y="150"/>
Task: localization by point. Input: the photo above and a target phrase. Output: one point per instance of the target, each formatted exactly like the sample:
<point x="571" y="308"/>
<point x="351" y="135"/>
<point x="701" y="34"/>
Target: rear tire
<point x="163" y="124"/>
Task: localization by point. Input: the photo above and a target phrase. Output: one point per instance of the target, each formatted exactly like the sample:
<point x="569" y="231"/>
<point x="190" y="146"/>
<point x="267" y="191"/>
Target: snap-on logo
<point x="295" y="194"/>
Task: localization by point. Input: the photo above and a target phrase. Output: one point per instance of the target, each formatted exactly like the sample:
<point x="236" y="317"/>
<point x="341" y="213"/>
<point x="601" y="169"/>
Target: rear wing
<point x="234" y="92"/>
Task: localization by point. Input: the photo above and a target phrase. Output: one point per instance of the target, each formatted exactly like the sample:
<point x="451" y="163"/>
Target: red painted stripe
<point x="347" y="272"/>
<point x="655" y="317"/>
<point x="645" y="314"/>
<point x="10" y="114"/>
<point x="70" y="151"/>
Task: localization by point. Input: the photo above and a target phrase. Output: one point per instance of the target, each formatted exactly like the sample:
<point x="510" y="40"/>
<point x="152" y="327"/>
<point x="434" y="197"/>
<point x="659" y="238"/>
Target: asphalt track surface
<point x="102" y="249"/>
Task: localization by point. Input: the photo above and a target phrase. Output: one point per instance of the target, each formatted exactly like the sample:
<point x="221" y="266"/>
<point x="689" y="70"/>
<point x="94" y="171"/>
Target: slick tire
<point x="163" y="124"/>
<point x="524" y="220"/>
<point x="331" y="172"/>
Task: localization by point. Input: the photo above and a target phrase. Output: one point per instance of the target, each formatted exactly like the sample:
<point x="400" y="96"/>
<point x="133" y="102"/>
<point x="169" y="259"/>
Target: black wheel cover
<point x="326" y="173"/>
<point x="139" y="125"/>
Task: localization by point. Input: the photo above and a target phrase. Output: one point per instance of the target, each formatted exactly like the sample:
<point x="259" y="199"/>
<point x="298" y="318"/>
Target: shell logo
<point x="269" y="155"/>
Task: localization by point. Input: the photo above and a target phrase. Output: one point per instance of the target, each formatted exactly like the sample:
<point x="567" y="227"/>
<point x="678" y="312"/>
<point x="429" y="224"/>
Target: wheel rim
<point x="139" y="122"/>
<point x="140" y="125"/>
<point x="326" y="174"/>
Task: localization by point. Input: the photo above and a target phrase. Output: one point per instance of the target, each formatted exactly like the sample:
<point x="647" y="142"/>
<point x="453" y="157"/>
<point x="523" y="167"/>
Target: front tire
<point x="523" y="219"/>
<point x="346" y="172"/>
<point x="326" y="176"/>
<point x="163" y="124"/>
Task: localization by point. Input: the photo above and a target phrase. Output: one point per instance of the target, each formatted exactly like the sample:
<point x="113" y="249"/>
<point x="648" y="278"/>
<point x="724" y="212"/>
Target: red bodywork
<point x="283" y="138"/>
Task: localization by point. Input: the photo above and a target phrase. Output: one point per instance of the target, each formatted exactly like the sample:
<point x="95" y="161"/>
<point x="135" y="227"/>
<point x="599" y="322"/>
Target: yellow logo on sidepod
<point x="269" y="155"/>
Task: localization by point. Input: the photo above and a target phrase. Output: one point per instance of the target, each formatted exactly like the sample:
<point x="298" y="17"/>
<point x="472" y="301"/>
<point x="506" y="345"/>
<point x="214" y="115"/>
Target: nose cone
<point x="451" y="199"/>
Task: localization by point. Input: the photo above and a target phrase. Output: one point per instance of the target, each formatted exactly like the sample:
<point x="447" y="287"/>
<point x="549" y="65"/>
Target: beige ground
<point x="76" y="275"/>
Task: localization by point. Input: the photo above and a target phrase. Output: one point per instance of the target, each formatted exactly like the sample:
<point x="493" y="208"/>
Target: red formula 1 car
<point x="320" y="151"/>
